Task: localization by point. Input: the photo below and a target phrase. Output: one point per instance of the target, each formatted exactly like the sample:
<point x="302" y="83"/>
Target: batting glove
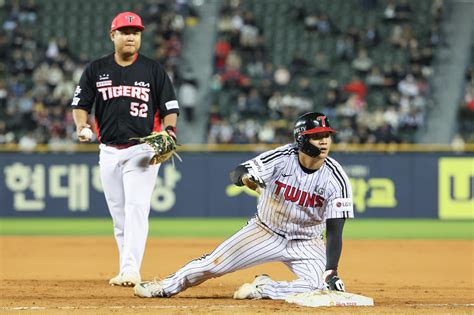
<point x="332" y="281"/>
<point x="256" y="179"/>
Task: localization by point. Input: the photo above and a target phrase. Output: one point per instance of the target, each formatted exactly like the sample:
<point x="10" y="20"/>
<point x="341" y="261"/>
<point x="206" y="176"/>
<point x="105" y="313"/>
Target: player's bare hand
<point x="83" y="132"/>
<point x="253" y="182"/>
<point x="332" y="281"/>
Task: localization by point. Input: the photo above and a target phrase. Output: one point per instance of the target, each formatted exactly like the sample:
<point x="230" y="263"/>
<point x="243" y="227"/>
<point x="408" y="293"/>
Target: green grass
<point x="199" y="227"/>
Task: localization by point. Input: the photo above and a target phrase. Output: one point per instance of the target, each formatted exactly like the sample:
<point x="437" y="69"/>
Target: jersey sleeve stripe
<point x="278" y="154"/>
<point x="339" y="177"/>
<point x="247" y="165"/>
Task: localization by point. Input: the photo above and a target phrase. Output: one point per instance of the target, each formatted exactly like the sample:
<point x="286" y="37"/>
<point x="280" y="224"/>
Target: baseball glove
<point x="163" y="145"/>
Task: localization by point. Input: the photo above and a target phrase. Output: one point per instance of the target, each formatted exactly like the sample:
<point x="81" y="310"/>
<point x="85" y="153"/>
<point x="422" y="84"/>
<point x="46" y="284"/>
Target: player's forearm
<point x="80" y="118"/>
<point x="170" y="120"/>
<point x="334" y="229"/>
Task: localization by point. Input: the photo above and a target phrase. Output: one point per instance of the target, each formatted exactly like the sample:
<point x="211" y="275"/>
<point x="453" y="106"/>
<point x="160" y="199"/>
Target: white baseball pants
<point x="128" y="182"/>
<point x="255" y="244"/>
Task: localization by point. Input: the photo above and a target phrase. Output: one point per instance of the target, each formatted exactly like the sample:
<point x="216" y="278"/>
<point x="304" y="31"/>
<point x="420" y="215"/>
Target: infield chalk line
<point x="443" y="305"/>
<point x="42" y="308"/>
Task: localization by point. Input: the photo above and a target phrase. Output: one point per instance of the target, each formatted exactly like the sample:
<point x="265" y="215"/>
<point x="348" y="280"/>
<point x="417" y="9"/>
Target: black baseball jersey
<point x="129" y="101"/>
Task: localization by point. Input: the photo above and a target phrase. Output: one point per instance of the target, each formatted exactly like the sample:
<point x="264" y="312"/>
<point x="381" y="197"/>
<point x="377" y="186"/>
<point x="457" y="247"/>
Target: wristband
<point x="171" y="130"/>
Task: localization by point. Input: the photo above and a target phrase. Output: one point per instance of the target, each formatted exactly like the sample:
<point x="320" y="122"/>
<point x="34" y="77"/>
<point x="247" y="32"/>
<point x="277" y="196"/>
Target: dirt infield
<point x="69" y="275"/>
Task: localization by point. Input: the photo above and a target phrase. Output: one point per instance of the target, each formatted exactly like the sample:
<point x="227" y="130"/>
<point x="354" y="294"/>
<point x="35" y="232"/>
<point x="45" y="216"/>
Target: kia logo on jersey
<point x="141" y="83"/>
<point x="303" y="198"/>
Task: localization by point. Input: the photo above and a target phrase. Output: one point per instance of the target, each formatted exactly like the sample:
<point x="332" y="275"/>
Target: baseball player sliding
<point x="302" y="192"/>
<point x="133" y="97"/>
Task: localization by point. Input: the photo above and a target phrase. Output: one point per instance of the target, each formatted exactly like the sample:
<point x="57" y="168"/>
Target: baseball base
<point x="321" y="298"/>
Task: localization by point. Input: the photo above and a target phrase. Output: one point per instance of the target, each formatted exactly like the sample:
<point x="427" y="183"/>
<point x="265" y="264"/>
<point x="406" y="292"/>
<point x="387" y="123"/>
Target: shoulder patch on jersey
<point x="171" y="105"/>
<point x="342" y="204"/>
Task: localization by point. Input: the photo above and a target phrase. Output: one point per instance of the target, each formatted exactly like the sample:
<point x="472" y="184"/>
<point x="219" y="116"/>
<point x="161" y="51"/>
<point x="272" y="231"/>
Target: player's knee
<point x="314" y="284"/>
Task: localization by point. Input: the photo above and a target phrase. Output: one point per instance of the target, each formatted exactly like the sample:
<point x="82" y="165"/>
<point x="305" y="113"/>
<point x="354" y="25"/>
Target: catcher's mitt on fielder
<point x="163" y="145"/>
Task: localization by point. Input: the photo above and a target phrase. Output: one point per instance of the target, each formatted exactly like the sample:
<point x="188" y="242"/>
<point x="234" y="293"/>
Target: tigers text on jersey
<point x="129" y="101"/>
<point x="295" y="203"/>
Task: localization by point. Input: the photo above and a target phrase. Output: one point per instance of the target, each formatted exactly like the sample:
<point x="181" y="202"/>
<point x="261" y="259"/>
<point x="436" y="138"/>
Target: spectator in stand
<point x="321" y="65"/>
<point x="324" y="25"/>
<point x="249" y="33"/>
<point x="408" y="86"/>
<point x="3" y="132"/>
<point x="345" y="47"/>
<point x="390" y="11"/>
<point x="275" y="105"/>
<point x="232" y="77"/>
<point x="403" y="10"/>
<point x="281" y="77"/>
<point x="222" y="49"/>
<point x="299" y="65"/>
<point x="345" y="131"/>
<point x="385" y="134"/>
<point x="331" y="103"/>
<point x="255" y="107"/>
<point x="311" y="22"/>
<point x="356" y="86"/>
<point x="266" y="134"/>
<point x="391" y="117"/>
<point x="3" y="96"/>
<point x="187" y="97"/>
<point x="362" y="64"/>
<point x="304" y="88"/>
<point x="371" y="36"/>
<point x="375" y="78"/>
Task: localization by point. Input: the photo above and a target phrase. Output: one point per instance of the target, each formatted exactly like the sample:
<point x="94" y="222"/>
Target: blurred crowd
<point x="38" y="79"/>
<point x="256" y="100"/>
<point x="466" y="109"/>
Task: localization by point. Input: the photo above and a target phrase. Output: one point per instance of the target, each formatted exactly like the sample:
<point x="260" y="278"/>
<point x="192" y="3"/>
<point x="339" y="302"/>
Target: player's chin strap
<point x="309" y="148"/>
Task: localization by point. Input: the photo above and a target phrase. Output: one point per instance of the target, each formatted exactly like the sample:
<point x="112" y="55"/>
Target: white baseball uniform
<point x="288" y="227"/>
<point x="128" y="103"/>
<point x="128" y="182"/>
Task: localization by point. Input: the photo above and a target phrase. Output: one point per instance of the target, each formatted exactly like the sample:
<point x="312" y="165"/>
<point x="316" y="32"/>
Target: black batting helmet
<point x="307" y="124"/>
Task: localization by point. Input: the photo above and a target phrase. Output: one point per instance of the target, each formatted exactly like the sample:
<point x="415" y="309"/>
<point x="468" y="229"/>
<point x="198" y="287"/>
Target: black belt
<point x="121" y="146"/>
<point x="259" y="220"/>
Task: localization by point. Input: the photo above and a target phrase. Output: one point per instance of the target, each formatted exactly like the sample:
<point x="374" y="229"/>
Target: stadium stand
<point x="466" y="108"/>
<point x="44" y="49"/>
<point x="365" y="63"/>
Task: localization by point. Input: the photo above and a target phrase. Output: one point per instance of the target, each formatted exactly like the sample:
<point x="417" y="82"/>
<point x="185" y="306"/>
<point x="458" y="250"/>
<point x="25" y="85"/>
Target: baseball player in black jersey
<point x="133" y="98"/>
<point x="303" y="192"/>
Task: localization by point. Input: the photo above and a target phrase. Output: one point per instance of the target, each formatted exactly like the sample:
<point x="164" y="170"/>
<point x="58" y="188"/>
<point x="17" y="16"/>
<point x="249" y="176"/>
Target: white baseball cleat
<point x="247" y="291"/>
<point x="125" y="279"/>
<point x="261" y="280"/>
<point x="252" y="290"/>
<point x="149" y="289"/>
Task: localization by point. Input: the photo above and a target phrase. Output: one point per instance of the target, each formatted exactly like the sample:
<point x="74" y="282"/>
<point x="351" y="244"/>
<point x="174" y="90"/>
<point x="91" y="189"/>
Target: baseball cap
<point x="126" y="19"/>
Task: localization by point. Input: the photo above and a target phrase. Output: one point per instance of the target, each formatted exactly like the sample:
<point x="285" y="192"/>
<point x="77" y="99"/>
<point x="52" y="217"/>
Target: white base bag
<point x="318" y="298"/>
